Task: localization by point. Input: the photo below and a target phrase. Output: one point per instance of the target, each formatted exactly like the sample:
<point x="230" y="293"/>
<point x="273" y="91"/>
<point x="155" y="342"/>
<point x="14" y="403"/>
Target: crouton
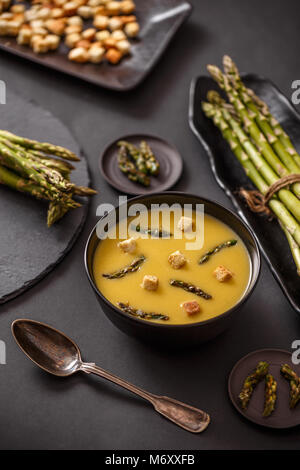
<point x="191" y="307"/>
<point x="128" y="246"/>
<point x="177" y="260"/>
<point x="222" y="274"/>
<point x="185" y="224"/>
<point x="150" y="282"/>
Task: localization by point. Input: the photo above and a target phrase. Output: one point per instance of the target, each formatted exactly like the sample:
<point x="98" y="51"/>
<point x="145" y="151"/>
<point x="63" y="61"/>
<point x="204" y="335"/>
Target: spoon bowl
<point x="47" y="347"/>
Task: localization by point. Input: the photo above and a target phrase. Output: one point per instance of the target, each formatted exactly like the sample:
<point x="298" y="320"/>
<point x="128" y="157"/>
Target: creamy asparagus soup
<point x="159" y="279"/>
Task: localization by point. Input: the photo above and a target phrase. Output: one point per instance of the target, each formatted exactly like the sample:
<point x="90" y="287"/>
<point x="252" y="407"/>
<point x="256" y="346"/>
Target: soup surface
<point x="167" y="299"/>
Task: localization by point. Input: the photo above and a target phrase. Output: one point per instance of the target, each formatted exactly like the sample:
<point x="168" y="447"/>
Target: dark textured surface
<point x="159" y="21"/>
<point x="231" y="176"/>
<point x="167" y="155"/>
<point x="28" y="248"/>
<point x="40" y="411"/>
<point x="282" y="416"/>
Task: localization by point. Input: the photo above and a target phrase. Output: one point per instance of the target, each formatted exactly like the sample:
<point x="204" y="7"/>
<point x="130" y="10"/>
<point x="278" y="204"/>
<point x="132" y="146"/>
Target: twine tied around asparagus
<point x="257" y="202"/>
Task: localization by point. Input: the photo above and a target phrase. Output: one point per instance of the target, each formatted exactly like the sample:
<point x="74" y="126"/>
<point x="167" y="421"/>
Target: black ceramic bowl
<point x="187" y="334"/>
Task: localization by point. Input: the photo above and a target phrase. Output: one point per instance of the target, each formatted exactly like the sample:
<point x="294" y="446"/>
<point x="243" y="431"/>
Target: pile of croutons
<point x="93" y="30"/>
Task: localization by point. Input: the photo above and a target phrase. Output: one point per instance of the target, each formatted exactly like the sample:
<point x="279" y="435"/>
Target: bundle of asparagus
<point x="137" y="163"/>
<point x="29" y="166"/>
<point x="262" y="147"/>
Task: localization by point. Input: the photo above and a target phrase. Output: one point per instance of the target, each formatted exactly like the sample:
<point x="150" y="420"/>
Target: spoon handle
<point x="185" y="416"/>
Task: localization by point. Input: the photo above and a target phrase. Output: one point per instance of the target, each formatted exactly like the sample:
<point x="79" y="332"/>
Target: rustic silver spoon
<point x="57" y="354"/>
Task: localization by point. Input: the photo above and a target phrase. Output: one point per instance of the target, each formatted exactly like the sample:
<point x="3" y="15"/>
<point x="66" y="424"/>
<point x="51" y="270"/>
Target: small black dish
<point x="187" y="335"/>
<point x="230" y="175"/>
<point x="167" y="155"/>
<point x="282" y="417"/>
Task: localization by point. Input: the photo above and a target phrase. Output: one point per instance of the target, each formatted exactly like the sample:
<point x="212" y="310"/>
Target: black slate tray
<point x="230" y="175"/>
<point x="28" y="248"/>
<point x="159" y="21"/>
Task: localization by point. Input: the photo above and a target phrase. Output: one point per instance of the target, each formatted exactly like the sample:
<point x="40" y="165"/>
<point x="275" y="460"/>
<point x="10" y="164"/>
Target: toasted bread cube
<point x="109" y="42"/>
<point x="85" y="12"/>
<point x="39" y="32"/>
<point x="114" y="24"/>
<point x="17" y="8"/>
<point x="96" y="54"/>
<point x="72" y="39"/>
<point x="44" y="13"/>
<point x="177" y="260"/>
<point x="123" y="46"/>
<point x="150" y="282"/>
<point x="102" y="35"/>
<point x="75" y="21"/>
<point x="56" y="26"/>
<point x="127" y="6"/>
<point x="79" y="54"/>
<point x="59" y="3"/>
<point x="53" y="41"/>
<point x="37" y="24"/>
<point x="24" y="36"/>
<point x="113" y="56"/>
<point x="3" y="27"/>
<point x="118" y="35"/>
<point x="70" y="8"/>
<point x="222" y="274"/>
<point x="185" y="224"/>
<point x="39" y="45"/>
<point x="128" y="246"/>
<point x="71" y="29"/>
<point x="127" y="19"/>
<point x="101" y="22"/>
<point x="89" y="34"/>
<point x="85" y="43"/>
<point x="191" y="307"/>
<point x="94" y="3"/>
<point x="13" y="28"/>
<point x="7" y="16"/>
<point x="132" y="29"/>
<point x="113" y="8"/>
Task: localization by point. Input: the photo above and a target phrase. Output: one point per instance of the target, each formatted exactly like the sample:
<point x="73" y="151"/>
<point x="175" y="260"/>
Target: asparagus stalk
<point x="135" y="154"/>
<point x="131" y="268"/>
<point x="294" y="247"/>
<point x="251" y="381"/>
<point x="16" y="182"/>
<point x="190" y="288"/>
<point x="151" y="162"/>
<point x="270" y="395"/>
<point x="264" y="121"/>
<point x="127" y="167"/>
<point x="289" y="374"/>
<point x="215" y="250"/>
<point x="137" y="312"/>
<point x="55" y="212"/>
<point x="287" y="197"/>
<point x="155" y="233"/>
<point x="232" y="71"/>
<point x="276" y="206"/>
<point x="41" y="146"/>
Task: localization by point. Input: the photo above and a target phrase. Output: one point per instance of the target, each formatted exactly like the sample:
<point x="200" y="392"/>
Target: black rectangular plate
<point x="159" y="21"/>
<point x="231" y="176"/>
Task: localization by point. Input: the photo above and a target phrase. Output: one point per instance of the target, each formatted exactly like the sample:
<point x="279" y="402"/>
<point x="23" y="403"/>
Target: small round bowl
<point x="186" y="334"/>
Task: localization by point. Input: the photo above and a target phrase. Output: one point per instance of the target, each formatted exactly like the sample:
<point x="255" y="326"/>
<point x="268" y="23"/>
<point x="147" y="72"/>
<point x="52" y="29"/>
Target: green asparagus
<point x="131" y="268"/>
<point x="216" y="249"/>
<point x="128" y="167"/>
<point x="270" y="395"/>
<point x="294" y="380"/>
<point x="140" y="313"/>
<point x="135" y="154"/>
<point x="251" y="381"/>
<point x="190" y="288"/>
<point x="151" y="162"/>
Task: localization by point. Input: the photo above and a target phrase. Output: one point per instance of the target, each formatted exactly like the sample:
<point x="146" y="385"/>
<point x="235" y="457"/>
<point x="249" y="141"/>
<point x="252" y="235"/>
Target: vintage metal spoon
<point x="59" y="355"/>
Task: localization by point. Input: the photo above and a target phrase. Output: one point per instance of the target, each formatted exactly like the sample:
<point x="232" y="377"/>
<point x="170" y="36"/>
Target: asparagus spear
<point x="127" y="167"/>
<point x="270" y="395"/>
<point x="55" y="212"/>
<point x="287" y="197"/>
<point x="135" y="154"/>
<point x="155" y="233"/>
<point x="151" y="162"/>
<point x="16" y="182"/>
<point x="277" y="207"/>
<point x="131" y="268"/>
<point x="264" y="121"/>
<point x="289" y="374"/>
<point x="41" y="146"/>
<point x="215" y="250"/>
<point x="251" y="381"/>
<point x="190" y="288"/>
<point x="140" y="313"/>
<point x="232" y="71"/>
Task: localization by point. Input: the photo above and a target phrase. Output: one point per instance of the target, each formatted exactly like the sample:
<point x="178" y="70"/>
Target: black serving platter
<point x="230" y="175"/>
<point x="159" y="21"/>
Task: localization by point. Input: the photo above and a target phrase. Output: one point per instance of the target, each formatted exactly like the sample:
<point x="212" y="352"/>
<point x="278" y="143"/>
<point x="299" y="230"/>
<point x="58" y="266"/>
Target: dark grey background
<point x="40" y="411"/>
